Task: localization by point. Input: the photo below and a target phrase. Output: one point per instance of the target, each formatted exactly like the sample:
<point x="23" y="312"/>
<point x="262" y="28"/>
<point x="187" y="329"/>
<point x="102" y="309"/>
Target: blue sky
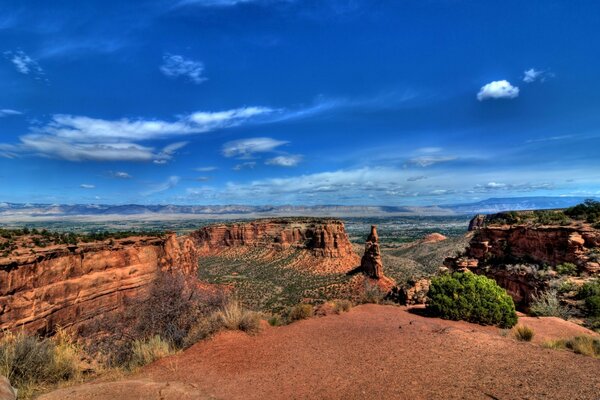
<point x="298" y="102"/>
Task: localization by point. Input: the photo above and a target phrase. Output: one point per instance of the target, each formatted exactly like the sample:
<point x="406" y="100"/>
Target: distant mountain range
<point x="29" y="211"/>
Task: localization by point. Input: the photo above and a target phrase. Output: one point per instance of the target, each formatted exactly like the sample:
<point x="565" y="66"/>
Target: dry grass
<point x="33" y="364"/>
<point x="148" y="351"/>
<point x="341" y="306"/>
<point x="300" y="311"/>
<point x="585" y="345"/>
<point x="523" y="333"/>
<point x="234" y="317"/>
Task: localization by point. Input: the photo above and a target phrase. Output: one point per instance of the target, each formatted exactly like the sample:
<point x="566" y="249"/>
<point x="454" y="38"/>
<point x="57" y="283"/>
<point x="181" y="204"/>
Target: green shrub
<point x="524" y="333"/>
<point x="592" y="305"/>
<point x="547" y="304"/>
<point x="276" y="320"/>
<point x="589" y="289"/>
<point x="566" y="269"/>
<point x="470" y="297"/>
<point x="300" y="311"/>
<point x="148" y="351"/>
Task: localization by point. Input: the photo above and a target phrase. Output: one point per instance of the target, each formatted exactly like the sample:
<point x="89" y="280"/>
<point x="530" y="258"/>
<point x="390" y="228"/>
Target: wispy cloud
<point x="428" y="156"/>
<point x="226" y="3"/>
<point x="7" y="112"/>
<point x="247" y="148"/>
<point x="498" y="90"/>
<point x="205" y="169"/>
<point x="416" y="178"/>
<point x="170" y="183"/>
<point x="285" y="161"/>
<point x="175" y="66"/>
<point x="24" y="64"/>
<point x="87" y="186"/>
<point x="120" y="175"/>
<point x="245" y="165"/>
<point x="532" y="75"/>
<point x="80" y="138"/>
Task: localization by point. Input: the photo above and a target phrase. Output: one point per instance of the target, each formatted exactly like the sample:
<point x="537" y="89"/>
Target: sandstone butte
<point x="68" y="285"/>
<point x="522" y="243"/>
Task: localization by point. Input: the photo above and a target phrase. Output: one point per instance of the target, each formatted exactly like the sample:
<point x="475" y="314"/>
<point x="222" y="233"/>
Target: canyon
<point x="66" y="285"/>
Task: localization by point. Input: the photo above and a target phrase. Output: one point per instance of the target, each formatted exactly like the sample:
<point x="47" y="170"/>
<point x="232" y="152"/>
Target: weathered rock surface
<point x="322" y="237"/>
<point x="6" y="390"/>
<point x="371" y="263"/>
<point x="433" y="238"/>
<point x="494" y="247"/>
<point x="67" y="285"/>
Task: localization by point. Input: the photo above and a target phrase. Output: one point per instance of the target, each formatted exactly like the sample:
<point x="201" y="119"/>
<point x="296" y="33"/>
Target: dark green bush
<point x="592" y="305"/>
<point x="566" y="269"/>
<point x="473" y="298"/>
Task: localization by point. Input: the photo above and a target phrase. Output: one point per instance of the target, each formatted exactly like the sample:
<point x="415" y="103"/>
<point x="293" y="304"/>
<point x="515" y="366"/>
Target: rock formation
<point x="494" y="248"/>
<point x="434" y="238"/>
<point x="322" y="237"/>
<point x="371" y="263"/>
<point x="66" y="285"/>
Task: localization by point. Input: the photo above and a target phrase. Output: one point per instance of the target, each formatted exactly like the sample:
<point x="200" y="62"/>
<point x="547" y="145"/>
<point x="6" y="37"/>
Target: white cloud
<point x="7" y="112"/>
<point x="170" y="183"/>
<point x="245" y="165"/>
<point x="426" y="161"/>
<point x="23" y="63"/>
<point x="495" y="185"/>
<point x="246" y="148"/>
<point x="87" y="186"/>
<point x="285" y="161"/>
<point x="205" y="169"/>
<point x="175" y="66"/>
<point x="416" y="178"/>
<point x="532" y="75"/>
<point x="498" y="90"/>
<point x="80" y="138"/>
<point x="120" y="175"/>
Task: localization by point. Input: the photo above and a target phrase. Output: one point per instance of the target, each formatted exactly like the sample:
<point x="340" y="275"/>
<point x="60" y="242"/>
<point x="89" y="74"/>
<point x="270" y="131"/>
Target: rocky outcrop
<point x="321" y="237"/>
<point x="67" y="285"/>
<point x="433" y="238"/>
<point x="511" y="254"/>
<point x="477" y="222"/>
<point x="371" y="263"/>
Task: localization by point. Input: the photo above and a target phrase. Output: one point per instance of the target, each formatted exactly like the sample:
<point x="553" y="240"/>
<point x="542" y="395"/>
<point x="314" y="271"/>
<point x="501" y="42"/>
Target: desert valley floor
<point x="371" y="352"/>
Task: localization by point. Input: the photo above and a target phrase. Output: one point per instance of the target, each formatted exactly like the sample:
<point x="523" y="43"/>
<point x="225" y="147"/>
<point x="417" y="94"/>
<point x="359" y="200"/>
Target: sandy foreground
<point x="372" y="352"/>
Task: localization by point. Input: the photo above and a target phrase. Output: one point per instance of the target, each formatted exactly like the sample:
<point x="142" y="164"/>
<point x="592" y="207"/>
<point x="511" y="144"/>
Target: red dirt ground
<point x="372" y="352"/>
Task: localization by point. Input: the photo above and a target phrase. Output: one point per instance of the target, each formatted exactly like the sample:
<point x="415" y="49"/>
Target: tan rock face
<point x="69" y="285"/>
<point x="371" y="263"/>
<point x="434" y="238"/>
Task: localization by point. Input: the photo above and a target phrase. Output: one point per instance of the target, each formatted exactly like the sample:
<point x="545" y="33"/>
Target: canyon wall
<point x="513" y="255"/>
<point x="67" y="285"/>
<point x="321" y="243"/>
<point x="321" y="237"/>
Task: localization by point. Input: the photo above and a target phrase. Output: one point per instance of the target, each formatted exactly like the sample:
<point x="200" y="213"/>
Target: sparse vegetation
<point x="566" y="269"/>
<point x="589" y="211"/>
<point x="585" y="345"/>
<point x="523" y="333"/>
<point x="234" y="317"/>
<point x="32" y="363"/>
<point x="470" y="297"/>
<point x="147" y="351"/>
<point x="547" y="304"/>
<point x="300" y="311"/>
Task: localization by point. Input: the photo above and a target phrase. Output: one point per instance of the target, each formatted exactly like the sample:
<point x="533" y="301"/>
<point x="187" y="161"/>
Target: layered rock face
<point x="321" y="237"/>
<point x="371" y="263"/>
<point x="495" y="248"/>
<point x="67" y="285"/>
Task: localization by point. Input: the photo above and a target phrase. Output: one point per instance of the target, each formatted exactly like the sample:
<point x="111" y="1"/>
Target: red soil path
<point x="372" y="352"/>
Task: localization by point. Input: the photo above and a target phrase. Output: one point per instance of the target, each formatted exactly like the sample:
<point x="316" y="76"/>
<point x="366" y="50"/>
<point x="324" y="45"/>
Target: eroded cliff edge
<point x="69" y="284"/>
<point x="523" y="257"/>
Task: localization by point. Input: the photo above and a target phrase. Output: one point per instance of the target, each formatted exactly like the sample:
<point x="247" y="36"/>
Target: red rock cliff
<point x="67" y="285"/>
<point x="322" y="237"/>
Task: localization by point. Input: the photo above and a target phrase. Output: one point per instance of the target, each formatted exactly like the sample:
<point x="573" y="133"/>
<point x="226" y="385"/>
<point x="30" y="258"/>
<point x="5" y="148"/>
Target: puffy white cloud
<point x="246" y="148"/>
<point x="285" y="161"/>
<point x="498" y="90"/>
<point x="7" y="112"/>
<point x="87" y="186"/>
<point x="175" y="66"/>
